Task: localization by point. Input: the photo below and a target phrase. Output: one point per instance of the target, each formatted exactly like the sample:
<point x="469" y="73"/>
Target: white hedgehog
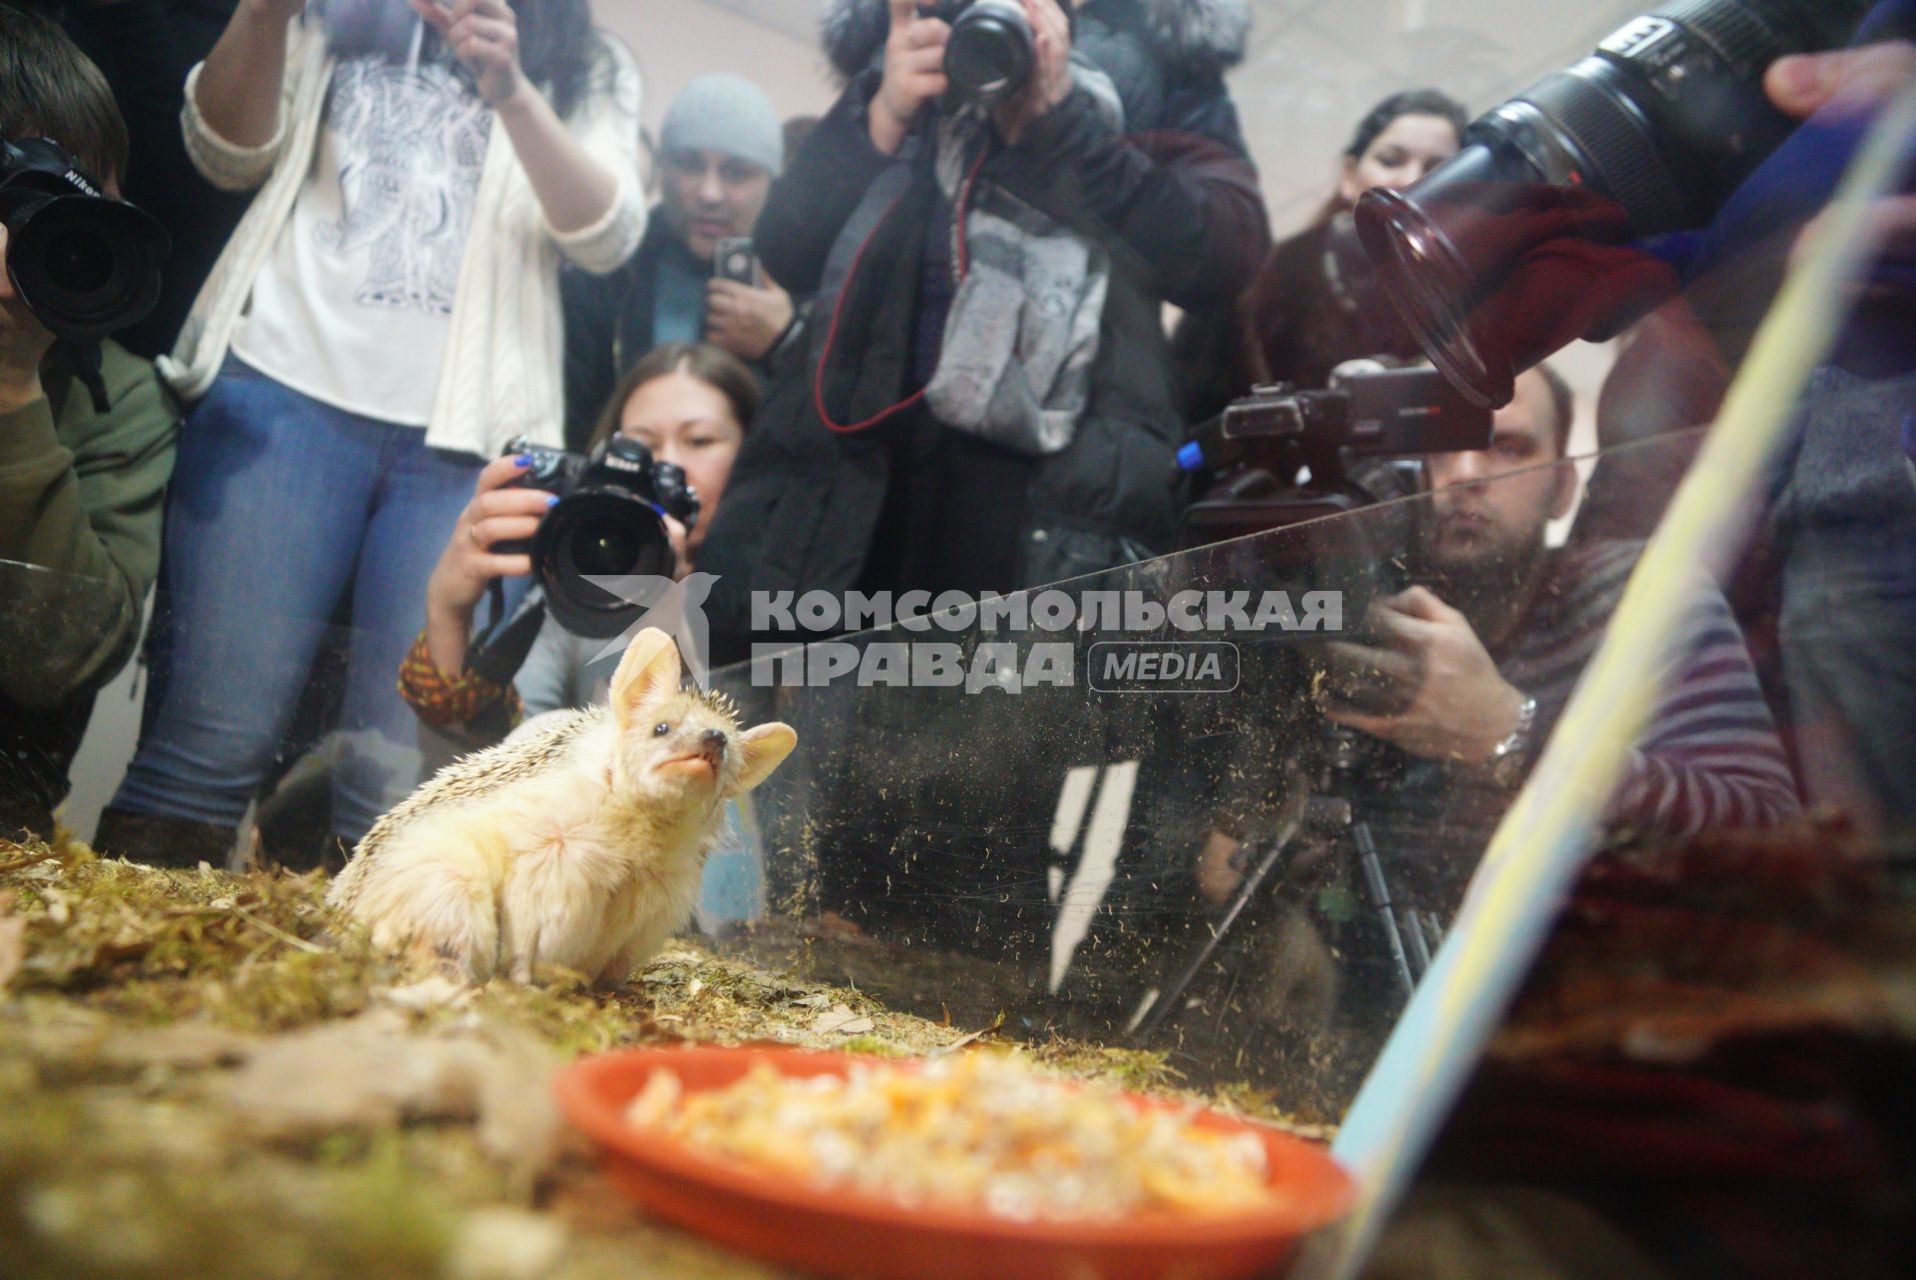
<point x="577" y="842"/>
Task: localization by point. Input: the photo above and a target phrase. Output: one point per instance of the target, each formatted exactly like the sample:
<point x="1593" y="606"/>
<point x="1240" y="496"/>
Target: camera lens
<point x="988" y="55"/>
<point x="602" y="547"/>
<point x="79" y="261"/>
<point x="1536" y="233"/>
<point x="87" y="267"/>
<point x="602" y="532"/>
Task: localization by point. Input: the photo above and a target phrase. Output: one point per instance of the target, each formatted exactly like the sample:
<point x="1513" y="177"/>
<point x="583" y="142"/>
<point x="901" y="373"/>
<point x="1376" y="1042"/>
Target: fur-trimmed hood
<point x="1203" y="34"/>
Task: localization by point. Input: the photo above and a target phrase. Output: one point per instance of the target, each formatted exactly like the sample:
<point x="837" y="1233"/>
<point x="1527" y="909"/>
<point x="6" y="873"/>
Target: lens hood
<point x="85" y="266"/>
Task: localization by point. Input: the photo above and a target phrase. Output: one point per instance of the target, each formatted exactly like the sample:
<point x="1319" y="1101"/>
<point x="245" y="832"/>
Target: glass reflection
<point x="1228" y="874"/>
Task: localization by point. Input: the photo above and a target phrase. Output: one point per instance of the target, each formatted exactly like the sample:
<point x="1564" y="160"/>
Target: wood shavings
<point x="239" y="1084"/>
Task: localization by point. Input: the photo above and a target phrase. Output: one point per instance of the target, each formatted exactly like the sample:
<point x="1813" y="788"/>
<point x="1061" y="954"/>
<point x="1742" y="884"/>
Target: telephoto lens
<point x="1525" y="240"/>
<point x="84" y="265"/>
<point x="989" y="54"/>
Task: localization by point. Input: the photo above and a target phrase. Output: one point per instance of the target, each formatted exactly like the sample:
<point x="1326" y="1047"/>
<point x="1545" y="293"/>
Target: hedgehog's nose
<point x="712" y="743"/>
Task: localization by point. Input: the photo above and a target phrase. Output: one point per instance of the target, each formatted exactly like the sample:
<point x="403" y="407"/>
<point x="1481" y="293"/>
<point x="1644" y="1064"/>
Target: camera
<point x="1284" y="457"/>
<point x="1367" y="410"/>
<point x="1292" y="455"/>
<point x="1530" y="237"/>
<point x="84" y="264"/>
<point x="989" y="55"/>
<point x="609" y="521"/>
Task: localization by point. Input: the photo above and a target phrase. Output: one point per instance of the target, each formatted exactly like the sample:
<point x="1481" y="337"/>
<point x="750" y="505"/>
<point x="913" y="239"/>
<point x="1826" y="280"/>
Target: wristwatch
<point x="1508" y="758"/>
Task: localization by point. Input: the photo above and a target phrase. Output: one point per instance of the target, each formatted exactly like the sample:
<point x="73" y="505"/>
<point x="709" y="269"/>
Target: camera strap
<point x="80" y="362"/>
<point x="882" y="202"/>
<point x="498" y="653"/>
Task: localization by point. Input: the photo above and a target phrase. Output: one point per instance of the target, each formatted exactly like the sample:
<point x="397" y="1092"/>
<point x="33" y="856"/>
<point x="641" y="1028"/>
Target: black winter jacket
<point x="1174" y="200"/>
<point x="608" y="323"/>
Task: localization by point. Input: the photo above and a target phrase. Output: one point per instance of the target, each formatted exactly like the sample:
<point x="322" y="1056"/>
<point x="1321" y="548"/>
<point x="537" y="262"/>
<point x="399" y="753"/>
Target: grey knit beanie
<point x="727" y="114"/>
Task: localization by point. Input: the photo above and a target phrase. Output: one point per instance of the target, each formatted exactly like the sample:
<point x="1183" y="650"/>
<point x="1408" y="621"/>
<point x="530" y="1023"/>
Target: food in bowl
<point x="978" y="1130"/>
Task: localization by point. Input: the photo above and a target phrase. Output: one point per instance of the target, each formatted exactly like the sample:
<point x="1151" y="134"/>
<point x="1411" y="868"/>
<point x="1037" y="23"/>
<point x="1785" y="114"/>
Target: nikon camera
<point x="609" y="522"/>
<point x="83" y="263"/>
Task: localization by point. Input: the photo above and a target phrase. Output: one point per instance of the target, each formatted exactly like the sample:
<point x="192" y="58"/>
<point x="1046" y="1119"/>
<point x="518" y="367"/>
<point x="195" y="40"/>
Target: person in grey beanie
<point x="721" y="145"/>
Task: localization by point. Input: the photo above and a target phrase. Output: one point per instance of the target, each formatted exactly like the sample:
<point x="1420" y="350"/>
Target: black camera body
<point x="609" y="522"/>
<point x="1525" y="240"/>
<point x="83" y="263"/>
<point x="989" y="55"/>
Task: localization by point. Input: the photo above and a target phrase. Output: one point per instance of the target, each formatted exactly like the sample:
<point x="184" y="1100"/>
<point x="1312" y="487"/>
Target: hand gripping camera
<point x="609" y="522"/>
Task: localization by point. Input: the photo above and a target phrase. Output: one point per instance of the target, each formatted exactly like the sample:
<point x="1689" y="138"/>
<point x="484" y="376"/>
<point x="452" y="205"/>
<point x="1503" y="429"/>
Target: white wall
<point x="676" y="41"/>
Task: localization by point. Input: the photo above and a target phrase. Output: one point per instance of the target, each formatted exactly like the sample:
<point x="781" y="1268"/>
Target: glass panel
<point x="47" y="620"/>
<point x="1055" y="835"/>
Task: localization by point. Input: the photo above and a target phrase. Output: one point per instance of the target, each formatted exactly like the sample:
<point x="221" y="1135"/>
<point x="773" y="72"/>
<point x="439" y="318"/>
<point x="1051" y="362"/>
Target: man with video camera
<point x="80" y="484"/>
<point x="1476" y="662"/>
<point x="992" y="216"/>
<point x="1458" y="680"/>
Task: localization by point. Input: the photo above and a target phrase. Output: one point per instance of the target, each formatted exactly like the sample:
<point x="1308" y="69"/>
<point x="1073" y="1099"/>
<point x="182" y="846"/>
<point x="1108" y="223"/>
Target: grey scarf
<point x="1022" y="333"/>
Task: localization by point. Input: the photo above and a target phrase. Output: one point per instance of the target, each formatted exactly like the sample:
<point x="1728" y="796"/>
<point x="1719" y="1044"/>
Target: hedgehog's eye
<point x="660" y="729"/>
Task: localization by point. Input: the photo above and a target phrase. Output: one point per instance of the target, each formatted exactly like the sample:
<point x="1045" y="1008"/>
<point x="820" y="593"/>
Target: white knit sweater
<point x="502" y="373"/>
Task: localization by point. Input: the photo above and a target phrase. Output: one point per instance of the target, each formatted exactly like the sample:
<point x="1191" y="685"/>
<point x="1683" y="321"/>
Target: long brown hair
<point x="717" y="368"/>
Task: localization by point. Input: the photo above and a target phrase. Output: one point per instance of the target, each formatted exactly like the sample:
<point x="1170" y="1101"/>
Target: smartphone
<point x="733" y="259"/>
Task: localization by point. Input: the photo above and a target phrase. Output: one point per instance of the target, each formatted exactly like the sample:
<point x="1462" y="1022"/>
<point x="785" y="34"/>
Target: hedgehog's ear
<point x="648" y="672"/>
<point x="764" y="749"/>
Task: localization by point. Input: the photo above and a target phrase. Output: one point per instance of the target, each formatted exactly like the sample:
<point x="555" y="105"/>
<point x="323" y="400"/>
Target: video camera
<point x="609" y="522"/>
<point x="1284" y="456"/>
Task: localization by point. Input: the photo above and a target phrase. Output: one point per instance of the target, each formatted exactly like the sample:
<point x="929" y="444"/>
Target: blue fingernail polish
<point x="552" y="500"/>
<point x="523" y="460"/>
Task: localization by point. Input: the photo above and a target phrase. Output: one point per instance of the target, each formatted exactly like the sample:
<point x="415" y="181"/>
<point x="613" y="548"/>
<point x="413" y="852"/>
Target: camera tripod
<point x="1411" y="936"/>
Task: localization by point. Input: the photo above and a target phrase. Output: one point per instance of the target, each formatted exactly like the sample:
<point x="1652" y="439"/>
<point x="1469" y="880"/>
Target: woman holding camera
<point x="689" y="404"/>
<point x="385" y="317"/>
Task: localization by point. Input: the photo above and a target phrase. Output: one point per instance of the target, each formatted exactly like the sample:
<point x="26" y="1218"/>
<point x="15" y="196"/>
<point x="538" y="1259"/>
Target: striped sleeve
<point x="1711" y="757"/>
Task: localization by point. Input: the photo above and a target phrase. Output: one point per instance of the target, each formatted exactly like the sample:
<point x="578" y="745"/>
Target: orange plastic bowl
<point x="842" y="1233"/>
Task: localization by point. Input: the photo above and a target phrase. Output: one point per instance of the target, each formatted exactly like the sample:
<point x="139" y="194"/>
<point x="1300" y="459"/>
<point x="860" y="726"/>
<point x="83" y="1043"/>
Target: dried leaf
<point x="840" y="1020"/>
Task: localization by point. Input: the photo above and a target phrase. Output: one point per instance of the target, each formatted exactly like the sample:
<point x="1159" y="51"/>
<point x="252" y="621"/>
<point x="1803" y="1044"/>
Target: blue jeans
<point x="280" y="503"/>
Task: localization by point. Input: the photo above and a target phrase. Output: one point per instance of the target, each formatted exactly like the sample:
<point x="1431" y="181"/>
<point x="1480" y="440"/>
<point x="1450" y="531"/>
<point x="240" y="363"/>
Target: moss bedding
<point x="206" y="1074"/>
